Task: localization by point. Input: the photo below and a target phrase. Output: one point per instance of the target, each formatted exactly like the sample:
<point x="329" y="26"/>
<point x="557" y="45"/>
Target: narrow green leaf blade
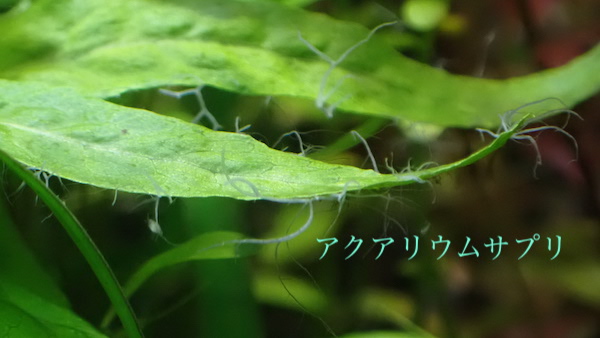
<point x="19" y="265"/>
<point x="25" y="314"/>
<point x="82" y="240"/>
<point x="31" y="304"/>
<point x="269" y="289"/>
<point x="213" y="245"/>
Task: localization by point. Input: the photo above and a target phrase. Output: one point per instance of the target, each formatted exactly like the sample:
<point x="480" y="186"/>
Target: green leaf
<point x="19" y="265"/>
<point x="82" y="240"/>
<point x="25" y="314"/>
<point x="109" y="47"/>
<point x="270" y="289"/>
<point x="392" y="307"/>
<point x="31" y="305"/>
<point x="92" y="141"/>
<point x="213" y="245"/>
<point x="424" y="15"/>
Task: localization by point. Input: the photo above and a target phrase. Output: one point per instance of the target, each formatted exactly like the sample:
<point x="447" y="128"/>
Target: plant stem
<point x="85" y="244"/>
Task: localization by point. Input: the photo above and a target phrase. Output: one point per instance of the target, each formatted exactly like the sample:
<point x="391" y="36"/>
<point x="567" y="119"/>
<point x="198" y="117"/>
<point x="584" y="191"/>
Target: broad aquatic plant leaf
<point x="108" y="47"/>
<point x="26" y="314"/>
<point x="92" y="141"/>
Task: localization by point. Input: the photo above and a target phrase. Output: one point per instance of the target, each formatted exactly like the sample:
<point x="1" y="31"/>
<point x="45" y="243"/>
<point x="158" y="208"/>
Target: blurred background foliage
<point x="286" y="291"/>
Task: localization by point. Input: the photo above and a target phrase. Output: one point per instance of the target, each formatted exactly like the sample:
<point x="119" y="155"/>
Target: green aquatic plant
<point x="62" y="62"/>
